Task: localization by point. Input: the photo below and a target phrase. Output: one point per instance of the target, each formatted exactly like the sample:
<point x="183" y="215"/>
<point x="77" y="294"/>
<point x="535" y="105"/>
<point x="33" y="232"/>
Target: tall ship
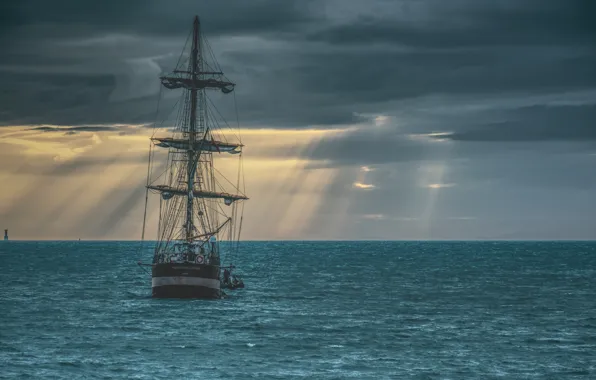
<point x="200" y="210"/>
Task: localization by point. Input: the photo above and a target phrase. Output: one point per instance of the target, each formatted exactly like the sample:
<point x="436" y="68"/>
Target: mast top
<point x="195" y="76"/>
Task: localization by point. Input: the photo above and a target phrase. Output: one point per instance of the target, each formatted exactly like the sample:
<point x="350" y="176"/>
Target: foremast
<point x="197" y="145"/>
<point x="191" y="169"/>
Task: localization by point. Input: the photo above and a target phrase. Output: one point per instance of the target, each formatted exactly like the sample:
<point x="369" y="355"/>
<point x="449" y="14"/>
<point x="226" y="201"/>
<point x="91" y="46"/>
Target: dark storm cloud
<point x="309" y="63"/>
<point x="82" y="128"/>
<point x="154" y="17"/>
<point x="38" y="97"/>
<point x="537" y="123"/>
<point x="394" y="75"/>
<point x="66" y="62"/>
<point x="456" y="24"/>
<point x="457" y="47"/>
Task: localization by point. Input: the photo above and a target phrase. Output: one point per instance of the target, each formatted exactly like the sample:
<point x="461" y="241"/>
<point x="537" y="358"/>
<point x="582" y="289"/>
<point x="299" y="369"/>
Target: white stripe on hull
<point x="185" y="280"/>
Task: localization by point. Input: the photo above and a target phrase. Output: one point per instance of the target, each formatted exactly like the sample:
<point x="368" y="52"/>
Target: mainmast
<point x="192" y="162"/>
<point x="189" y="177"/>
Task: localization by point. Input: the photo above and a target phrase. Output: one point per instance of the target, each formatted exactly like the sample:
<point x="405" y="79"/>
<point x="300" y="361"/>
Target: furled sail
<point x="174" y="82"/>
<point x="171" y="191"/>
<point x="199" y="145"/>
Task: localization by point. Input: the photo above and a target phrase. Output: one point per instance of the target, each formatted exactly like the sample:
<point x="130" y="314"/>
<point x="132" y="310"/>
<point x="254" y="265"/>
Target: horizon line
<point x="319" y="240"/>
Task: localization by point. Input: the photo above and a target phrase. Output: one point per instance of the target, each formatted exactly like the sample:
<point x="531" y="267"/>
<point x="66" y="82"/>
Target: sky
<point x="377" y="119"/>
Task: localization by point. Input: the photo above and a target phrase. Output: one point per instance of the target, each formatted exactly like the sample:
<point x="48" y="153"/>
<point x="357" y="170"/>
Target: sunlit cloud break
<point x="440" y="185"/>
<point x="431" y="137"/>
<point x="381" y="120"/>
<point x="364" y="186"/>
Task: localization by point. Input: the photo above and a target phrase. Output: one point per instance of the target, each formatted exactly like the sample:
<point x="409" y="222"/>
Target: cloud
<point x="464" y="23"/>
<point x="363" y="186"/>
<point x="92" y="128"/>
<point x="153" y="17"/>
<point x="98" y="66"/>
<point x="496" y="97"/>
<point x="370" y="143"/>
<point x="534" y="123"/>
<point x="440" y="185"/>
<point x="296" y="63"/>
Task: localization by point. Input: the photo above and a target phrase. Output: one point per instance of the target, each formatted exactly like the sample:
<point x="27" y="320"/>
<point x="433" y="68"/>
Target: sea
<point x="310" y="310"/>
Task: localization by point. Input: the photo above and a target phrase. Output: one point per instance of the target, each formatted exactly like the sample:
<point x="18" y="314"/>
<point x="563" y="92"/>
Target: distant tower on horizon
<point x="5" y="234"/>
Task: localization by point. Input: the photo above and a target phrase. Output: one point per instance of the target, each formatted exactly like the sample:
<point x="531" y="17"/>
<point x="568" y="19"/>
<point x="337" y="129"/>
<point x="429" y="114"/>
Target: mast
<point x="190" y="191"/>
<point x="191" y="164"/>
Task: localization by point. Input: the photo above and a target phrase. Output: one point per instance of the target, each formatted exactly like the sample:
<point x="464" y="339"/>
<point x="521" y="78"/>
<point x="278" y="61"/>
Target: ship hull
<point x="185" y="280"/>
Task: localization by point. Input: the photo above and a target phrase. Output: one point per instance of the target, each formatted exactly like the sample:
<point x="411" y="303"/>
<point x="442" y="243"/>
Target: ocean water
<point x="316" y="310"/>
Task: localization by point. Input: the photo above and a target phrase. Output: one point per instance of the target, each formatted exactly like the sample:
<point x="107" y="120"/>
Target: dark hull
<point x="184" y="291"/>
<point x="185" y="280"/>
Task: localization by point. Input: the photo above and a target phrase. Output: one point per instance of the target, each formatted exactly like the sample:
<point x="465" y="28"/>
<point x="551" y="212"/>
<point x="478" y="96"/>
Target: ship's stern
<point x="185" y="280"/>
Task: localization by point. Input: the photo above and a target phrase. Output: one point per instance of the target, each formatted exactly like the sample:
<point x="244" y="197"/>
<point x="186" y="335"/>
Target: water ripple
<point x="323" y="310"/>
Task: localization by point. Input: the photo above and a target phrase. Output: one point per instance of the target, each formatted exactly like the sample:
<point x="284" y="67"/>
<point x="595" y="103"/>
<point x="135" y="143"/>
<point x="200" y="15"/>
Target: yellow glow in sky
<point x="90" y="185"/>
<point x="360" y="185"/>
